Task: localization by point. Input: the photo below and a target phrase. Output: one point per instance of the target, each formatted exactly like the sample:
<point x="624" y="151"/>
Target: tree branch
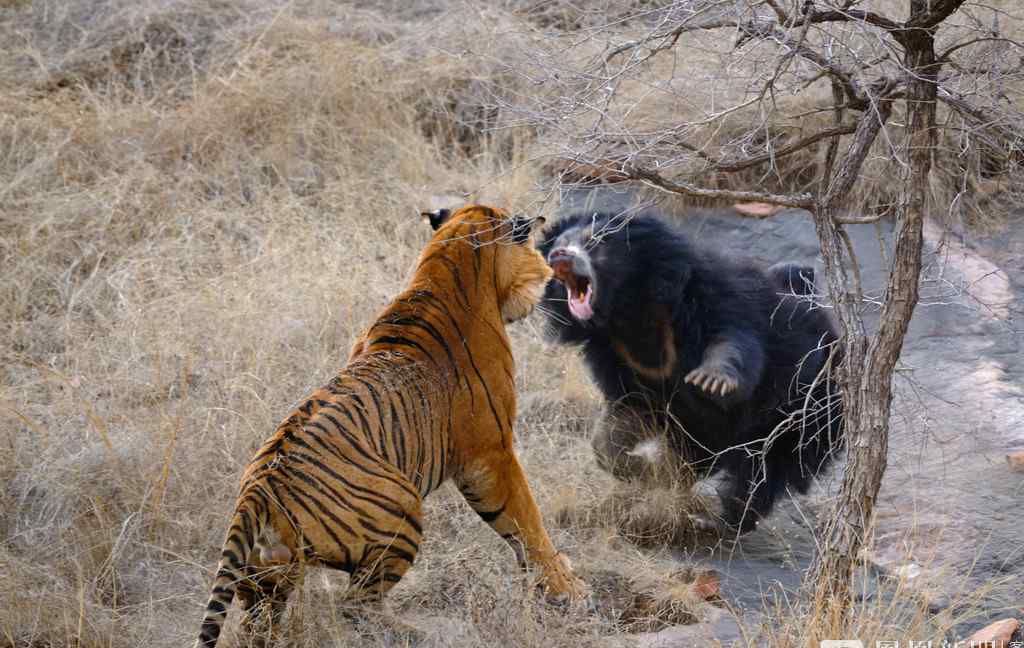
<point x="858" y="220"/>
<point x="780" y="13"/>
<point x="939" y="11"/>
<point x="653" y="179"/>
<point x="870" y="123"/>
<point x="944" y="57"/>
<point x="838" y="114"/>
<point x="814" y="17"/>
<point x="782" y="151"/>
<point x="854" y="15"/>
<point x="855" y="94"/>
<point x="989" y="121"/>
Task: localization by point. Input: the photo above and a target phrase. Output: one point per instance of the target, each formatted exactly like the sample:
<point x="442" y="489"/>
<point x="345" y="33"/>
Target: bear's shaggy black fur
<point x="731" y="358"/>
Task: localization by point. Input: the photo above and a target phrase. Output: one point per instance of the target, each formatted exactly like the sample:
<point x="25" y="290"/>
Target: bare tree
<point x="850" y="109"/>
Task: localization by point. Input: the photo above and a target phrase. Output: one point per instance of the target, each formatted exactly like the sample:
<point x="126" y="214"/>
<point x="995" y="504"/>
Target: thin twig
<point x="944" y="57"/>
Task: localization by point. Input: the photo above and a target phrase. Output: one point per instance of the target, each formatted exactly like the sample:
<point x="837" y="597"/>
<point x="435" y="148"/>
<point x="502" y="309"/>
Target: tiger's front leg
<point x="496" y="488"/>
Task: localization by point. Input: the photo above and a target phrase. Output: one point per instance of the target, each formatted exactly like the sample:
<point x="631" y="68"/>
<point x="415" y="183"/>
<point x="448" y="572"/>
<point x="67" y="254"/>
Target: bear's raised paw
<point x="715" y="381"/>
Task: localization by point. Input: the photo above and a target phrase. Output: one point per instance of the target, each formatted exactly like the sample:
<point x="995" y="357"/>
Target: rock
<point x="758" y="209"/>
<point x="1016" y="460"/>
<point x="721" y="628"/>
<point x="707" y="585"/>
<point x="994" y="635"/>
<point x="909" y="571"/>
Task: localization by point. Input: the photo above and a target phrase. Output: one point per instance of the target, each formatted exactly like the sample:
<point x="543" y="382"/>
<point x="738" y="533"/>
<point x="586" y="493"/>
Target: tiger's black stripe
<point x="409" y="320"/>
<point x="461" y="294"/>
<point x="358" y="466"/>
<point x="424" y="407"/>
<point x="294" y="494"/>
<point x="399" y="340"/>
<point x="381" y="503"/>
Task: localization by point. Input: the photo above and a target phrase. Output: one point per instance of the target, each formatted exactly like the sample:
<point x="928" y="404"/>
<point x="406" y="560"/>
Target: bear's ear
<point x="792" y="278"/>
<point x="436" y="218"/>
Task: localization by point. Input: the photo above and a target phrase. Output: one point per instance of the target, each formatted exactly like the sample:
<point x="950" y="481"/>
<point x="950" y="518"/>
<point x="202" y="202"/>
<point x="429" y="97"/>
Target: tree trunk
<point x="868" y="367"/>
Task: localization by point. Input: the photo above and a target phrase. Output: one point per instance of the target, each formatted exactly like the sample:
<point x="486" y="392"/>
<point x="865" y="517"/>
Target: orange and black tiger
<point x="428" y="395"/>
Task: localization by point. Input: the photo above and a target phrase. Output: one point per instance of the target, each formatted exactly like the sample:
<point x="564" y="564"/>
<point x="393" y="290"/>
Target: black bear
<point x="726" y="363"/>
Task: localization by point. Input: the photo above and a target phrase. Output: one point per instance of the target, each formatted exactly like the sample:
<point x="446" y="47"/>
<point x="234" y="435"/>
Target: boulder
<point x="758" y="209"/>
<point x="707" y="585"/>
<point x="1016" y="460"/>
<point x="994" y="635"/>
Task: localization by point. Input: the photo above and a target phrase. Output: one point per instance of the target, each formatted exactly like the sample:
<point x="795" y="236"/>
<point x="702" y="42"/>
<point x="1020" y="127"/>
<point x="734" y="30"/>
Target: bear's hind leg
<point x="753" y="485"/>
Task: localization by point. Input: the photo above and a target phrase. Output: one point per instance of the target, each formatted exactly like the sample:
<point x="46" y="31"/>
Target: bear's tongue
<point x="580" y="306"/>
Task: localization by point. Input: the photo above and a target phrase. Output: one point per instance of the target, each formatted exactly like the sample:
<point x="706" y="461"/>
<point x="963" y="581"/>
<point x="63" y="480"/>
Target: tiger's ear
<point x="524" y="228"/>
<point x="436" y="218"/>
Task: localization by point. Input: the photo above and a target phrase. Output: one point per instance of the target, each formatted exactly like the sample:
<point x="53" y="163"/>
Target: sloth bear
<point x="725" y="364"/>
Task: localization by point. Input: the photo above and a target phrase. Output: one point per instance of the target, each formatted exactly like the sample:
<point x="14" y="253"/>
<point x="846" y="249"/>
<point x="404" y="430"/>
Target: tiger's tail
<point x="250" y="518"/>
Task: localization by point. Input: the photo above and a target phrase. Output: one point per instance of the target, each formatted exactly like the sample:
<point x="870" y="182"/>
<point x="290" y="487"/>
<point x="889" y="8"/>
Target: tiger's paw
<point x="714" y="379"/>
<point x="578" y="597"/>
<point x="560" y="585"/>
<point x="576" y="592"/>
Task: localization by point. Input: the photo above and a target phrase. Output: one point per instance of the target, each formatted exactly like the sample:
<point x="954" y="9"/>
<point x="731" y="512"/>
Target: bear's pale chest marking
<point x="666" y="354"/>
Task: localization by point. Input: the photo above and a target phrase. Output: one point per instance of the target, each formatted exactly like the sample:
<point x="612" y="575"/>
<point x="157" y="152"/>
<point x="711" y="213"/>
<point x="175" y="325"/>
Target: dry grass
<point x="200" y="205"/>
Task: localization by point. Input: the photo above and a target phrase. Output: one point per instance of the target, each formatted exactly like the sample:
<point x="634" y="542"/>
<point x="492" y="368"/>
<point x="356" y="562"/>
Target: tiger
<point x="428" y="394"/>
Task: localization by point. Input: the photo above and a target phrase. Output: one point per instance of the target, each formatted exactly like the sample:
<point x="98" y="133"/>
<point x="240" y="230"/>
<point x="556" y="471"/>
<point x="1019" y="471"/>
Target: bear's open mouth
<point x="579" y="298"/>
<point x="578" y="288"/>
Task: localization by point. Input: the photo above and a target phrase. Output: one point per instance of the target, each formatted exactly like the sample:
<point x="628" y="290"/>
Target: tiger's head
<point x="498" y="248"/>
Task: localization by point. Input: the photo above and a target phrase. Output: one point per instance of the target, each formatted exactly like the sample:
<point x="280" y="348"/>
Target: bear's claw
<point x="712" y="381"/>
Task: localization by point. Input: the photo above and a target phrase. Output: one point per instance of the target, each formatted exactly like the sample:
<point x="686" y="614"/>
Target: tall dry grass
<point x="201" y="204"/>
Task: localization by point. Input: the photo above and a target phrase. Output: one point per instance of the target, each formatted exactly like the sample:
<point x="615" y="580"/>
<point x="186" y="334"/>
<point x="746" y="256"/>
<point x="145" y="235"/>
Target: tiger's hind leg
<point x="264" y="598"/>
<point x="393" y="539"/>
